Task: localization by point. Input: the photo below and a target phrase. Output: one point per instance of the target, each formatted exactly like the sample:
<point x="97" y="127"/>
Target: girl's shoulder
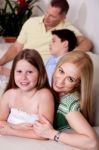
<point x="10" y="93"/>
<point x="8" y="97"/>
<point x="45" y="93"/>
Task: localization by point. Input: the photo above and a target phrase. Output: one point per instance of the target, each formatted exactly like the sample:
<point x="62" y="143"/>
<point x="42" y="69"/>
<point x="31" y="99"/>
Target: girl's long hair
<point x="84" y="63"/>
<point x="34" y="58"/>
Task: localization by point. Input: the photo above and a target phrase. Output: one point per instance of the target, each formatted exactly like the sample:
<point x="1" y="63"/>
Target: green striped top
<point x="68" y="103"/>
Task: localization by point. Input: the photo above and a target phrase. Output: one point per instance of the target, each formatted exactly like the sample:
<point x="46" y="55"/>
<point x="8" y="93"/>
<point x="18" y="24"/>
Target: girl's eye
<point x="29" y="72"/>
<point x="18" y="71"/>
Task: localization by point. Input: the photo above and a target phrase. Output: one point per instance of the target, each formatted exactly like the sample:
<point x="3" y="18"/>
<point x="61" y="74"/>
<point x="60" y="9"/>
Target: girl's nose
<point x="23" y="76"/>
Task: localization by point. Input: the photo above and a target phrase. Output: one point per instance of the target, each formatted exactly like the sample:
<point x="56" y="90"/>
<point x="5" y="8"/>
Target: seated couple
<point x="27" y="107"/>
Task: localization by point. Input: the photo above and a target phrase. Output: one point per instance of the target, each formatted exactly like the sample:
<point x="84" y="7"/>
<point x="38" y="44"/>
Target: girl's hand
<point x="21" y="126"/>
<point x="43" y="128"/>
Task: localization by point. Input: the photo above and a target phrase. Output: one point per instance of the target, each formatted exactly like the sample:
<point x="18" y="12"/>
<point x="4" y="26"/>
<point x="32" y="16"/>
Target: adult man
<point x="36" y="32"/>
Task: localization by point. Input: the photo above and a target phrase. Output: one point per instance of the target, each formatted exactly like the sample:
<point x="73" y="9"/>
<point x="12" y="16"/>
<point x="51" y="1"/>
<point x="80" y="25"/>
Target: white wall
<point x="84" y="14"/>
<point x="43" y="4"/>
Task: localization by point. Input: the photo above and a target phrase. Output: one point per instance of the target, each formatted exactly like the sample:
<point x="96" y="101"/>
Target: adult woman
<point x="72" y="80"/>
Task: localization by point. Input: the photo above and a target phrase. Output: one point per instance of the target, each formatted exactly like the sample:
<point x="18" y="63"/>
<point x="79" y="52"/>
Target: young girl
<point x="27" y="96"/>
<point x="72" y="80"/>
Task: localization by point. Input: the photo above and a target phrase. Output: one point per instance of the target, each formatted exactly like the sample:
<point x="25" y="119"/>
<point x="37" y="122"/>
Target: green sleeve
<point x="69" y="103"/>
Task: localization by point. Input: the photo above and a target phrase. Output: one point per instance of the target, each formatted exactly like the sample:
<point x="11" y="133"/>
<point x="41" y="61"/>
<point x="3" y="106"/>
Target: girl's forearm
<point x="6" y="129"/>
<point x="25" y="134"/>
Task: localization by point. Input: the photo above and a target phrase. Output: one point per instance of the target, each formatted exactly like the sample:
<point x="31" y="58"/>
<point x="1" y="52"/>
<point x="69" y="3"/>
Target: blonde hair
<point x="84" y="63"/>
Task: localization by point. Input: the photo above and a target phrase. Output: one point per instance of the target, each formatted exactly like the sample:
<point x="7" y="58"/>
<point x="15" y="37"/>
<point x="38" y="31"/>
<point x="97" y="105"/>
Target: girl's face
<point x="66" y="78"/>
<point x="26" y="75"/>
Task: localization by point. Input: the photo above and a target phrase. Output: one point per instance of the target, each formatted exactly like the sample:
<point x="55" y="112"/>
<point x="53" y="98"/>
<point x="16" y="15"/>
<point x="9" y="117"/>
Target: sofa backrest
<point x="95" y="59"/>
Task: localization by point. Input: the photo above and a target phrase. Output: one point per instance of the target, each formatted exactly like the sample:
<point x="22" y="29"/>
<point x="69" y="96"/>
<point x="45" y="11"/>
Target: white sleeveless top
<point x="17" y="116"/>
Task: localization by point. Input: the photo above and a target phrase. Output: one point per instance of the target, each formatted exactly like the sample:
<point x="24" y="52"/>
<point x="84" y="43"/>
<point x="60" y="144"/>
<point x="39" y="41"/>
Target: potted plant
<point x="13" y="15"/>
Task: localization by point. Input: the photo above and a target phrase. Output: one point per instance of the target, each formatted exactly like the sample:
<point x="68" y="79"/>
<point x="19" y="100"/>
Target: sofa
<point x="14" y="143"/>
